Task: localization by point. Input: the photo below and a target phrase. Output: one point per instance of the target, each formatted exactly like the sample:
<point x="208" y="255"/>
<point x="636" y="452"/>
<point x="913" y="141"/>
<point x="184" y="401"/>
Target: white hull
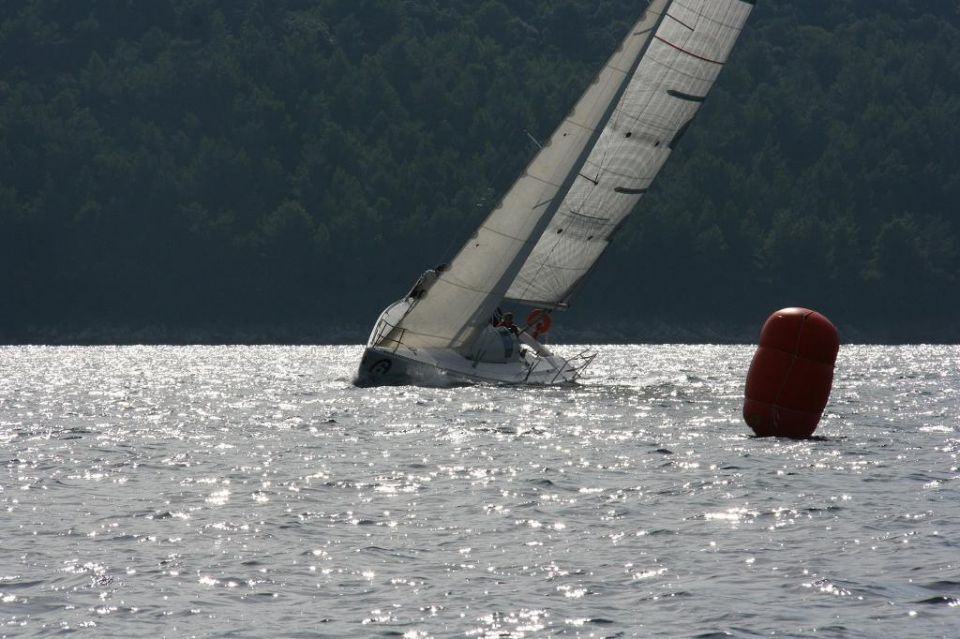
<point x="446" y="368"/>
<point x="390" y="362"/>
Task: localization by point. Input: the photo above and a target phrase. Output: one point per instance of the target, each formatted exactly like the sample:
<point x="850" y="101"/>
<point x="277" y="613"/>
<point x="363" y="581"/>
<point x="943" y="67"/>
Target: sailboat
<point x="545" y="236"/>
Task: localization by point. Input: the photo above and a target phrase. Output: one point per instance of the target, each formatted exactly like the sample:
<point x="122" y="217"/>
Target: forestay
<point x="459" y="304"/>
<point x="678" y="68"/>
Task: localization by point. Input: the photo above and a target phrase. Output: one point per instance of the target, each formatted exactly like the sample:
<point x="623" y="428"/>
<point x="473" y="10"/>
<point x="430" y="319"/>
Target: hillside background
<point x="244" y="170"/>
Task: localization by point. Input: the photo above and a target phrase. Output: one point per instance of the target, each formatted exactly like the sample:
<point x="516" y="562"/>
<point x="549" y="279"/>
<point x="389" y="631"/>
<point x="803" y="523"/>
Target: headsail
<point x="458" y="305"/>
<point x="679" y="66"/>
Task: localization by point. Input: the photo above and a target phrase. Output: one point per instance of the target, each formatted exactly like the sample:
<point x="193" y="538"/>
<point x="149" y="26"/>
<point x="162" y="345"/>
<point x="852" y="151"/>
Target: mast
<point x="458" y="305"/>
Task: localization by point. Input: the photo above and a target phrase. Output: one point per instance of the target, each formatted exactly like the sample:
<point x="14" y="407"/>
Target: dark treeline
<point x="277" y="169"/>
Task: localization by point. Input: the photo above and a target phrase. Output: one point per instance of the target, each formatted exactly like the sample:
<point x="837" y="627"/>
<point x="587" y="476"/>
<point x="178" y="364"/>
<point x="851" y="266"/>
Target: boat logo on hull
<point x="382" y="367"/>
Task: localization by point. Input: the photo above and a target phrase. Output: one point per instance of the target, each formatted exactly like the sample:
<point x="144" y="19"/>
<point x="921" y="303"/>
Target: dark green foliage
<point x="823" y="171"/>
<point x="249" y="163"/>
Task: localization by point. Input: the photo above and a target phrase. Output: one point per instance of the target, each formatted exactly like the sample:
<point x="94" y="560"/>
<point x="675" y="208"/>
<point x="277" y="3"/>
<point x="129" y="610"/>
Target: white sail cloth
<point x="678" y="68"/>
<point x="557" y="219"/>
<point x="458" y="306"/>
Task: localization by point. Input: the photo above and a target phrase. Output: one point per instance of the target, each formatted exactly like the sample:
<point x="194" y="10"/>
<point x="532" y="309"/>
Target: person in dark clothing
<point x="507" y="322"/>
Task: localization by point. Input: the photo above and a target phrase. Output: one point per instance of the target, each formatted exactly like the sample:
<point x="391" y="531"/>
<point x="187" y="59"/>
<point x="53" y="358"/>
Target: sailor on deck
<point x="507" y="322"/>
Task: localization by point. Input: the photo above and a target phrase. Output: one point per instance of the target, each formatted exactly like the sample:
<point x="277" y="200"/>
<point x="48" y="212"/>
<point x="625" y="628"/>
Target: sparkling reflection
<point x="246" y="492"/>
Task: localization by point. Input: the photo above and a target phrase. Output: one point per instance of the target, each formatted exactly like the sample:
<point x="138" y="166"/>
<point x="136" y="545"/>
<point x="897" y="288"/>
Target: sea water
<point x="254" y="492"/>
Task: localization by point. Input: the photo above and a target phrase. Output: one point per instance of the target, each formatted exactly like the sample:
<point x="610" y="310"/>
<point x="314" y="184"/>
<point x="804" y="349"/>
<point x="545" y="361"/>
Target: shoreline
<point x="301" y="334"/>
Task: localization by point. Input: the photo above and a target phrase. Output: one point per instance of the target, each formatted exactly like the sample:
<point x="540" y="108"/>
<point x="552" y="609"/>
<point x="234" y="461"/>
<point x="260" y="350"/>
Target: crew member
<point x="507" y="322"/>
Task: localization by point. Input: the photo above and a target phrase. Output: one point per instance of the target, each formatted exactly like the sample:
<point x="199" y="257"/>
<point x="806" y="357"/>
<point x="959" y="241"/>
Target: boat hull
<point x="502" y="358"/>
<point x="380" y="367"/>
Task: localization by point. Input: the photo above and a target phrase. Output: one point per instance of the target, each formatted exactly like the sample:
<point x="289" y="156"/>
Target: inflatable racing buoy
<point x="791" y="374"/>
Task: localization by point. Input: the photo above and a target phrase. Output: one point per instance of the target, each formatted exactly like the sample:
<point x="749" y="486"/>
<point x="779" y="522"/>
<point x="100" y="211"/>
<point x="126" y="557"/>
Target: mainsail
<point x="557" y="219"/>
<point x="680" y="65"/>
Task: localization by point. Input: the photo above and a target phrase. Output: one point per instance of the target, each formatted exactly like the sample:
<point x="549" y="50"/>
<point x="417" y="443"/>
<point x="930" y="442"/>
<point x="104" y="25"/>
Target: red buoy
<point x="791" y="374"/>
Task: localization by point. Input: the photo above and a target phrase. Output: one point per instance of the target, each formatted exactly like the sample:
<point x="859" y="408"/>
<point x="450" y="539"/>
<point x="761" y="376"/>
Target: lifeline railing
<point x="381" y="336"/>
<point x="574" y="365"/>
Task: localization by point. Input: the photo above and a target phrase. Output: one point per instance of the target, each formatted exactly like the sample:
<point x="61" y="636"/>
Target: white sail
<point x="459" y="303"/>
<point x="679" y="66"/>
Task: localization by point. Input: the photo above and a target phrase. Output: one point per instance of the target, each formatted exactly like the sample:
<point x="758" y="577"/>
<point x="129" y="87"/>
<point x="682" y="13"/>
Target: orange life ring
<point x="539" y="322"/>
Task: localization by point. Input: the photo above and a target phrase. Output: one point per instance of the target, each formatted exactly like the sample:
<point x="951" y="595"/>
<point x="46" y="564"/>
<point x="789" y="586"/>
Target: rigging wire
<point x="486" y="202"/>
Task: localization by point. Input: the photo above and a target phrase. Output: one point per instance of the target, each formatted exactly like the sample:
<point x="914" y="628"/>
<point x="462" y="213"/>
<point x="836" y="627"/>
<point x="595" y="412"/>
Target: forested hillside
<point x="191" y="169"/>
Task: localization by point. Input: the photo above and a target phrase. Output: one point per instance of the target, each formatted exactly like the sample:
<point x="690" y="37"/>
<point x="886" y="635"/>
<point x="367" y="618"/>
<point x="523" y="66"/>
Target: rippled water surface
<point x="253" y="492"/>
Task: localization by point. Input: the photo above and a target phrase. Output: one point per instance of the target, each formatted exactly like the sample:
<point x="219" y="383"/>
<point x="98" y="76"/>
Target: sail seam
<point x="541" y="180"/>
<point x="564" y="268"/>
<point x="689" y="53"/>
<point x="467" y="288"/>
<point x="506" y="235"/>
<point x="685" y="74"/>
<point x="579" y="125"/>
<point x="705" y="17"/>
<point x="680" y="22"/>
<point x="539" y="304"/>
<point x="625" y="176"/>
